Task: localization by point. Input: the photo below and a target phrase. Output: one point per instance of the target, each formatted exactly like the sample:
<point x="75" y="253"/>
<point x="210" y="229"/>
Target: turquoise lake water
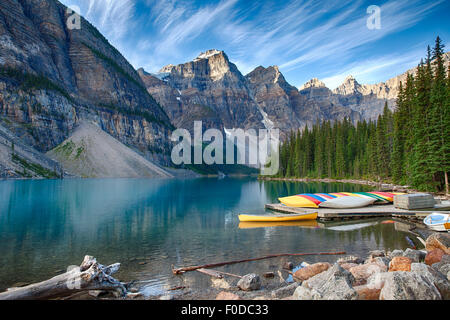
<point x="150" y="225"/>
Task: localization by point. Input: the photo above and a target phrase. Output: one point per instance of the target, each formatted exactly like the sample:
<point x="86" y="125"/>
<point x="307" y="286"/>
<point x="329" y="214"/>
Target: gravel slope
<point x="92" y="153"/>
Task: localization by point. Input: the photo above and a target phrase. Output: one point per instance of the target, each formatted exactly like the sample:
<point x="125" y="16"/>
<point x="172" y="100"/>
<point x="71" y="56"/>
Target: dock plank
<point x="366" y="212"/>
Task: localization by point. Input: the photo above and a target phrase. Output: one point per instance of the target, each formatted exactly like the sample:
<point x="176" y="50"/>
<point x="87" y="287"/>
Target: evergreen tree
<point x="410" y="145"/>
<point x="438" y="117"/>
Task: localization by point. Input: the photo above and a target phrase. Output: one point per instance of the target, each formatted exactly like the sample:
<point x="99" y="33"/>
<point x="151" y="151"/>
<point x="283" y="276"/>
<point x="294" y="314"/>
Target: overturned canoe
<point x="349" y="202"/>
<point x="308" y="200"/>
<point x="313" y="200"/>
<point x="277" y="218"/>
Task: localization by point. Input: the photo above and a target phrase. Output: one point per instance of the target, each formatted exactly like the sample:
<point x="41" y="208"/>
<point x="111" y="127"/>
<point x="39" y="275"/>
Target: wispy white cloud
<point x="113" y="17"/>
<point x="340" y="38"/>
<point x="365" y="71"/>
<point x="295" y="34"/>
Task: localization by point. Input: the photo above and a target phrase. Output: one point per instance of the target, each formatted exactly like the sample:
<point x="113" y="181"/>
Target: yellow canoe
<point x="298" y="202"/>
<point x="271" y="224"/>
<point x="278" y="218"/>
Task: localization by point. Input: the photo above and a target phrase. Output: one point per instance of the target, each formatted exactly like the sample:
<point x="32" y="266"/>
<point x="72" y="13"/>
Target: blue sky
<point x="323" y="39"/>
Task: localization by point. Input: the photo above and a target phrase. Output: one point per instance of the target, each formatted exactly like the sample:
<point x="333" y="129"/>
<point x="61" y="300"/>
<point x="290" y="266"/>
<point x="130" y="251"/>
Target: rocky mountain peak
<point x="208" y="54"/>
<point x="270" y="74"/>
<point x="167" y="69"/>
<point x="349" y="86"/>
<point x="313" y="83"/>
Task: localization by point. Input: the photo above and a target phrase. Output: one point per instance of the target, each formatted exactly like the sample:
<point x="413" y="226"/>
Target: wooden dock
<point x="375" y="211"/>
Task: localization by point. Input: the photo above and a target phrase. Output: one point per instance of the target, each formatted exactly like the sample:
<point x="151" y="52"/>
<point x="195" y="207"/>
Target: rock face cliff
<point x="211" y="88"/>
<point x="18" y="160"/>
<point x="52" y="77"/>
<point x="286" y="107"/>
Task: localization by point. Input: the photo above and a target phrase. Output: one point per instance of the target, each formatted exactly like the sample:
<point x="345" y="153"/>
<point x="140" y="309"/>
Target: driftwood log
<point x="217" y="274"/>
<point x="206" y="266"/>
<point x="89" y="276"/>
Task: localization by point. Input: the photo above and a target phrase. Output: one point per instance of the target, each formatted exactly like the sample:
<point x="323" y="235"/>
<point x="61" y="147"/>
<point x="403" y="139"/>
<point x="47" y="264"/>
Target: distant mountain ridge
<point x="184" y="89"/>
<point x="212" y="89"/>
<point x="366" y="99"/>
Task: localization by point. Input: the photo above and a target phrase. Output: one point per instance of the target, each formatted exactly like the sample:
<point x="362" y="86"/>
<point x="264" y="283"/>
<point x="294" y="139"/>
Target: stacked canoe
<point x="313" y="200"/>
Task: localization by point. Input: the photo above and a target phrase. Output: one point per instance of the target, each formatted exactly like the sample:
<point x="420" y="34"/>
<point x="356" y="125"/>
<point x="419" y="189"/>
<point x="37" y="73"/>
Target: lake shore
<point x="380" y="186"/>
<point x="393" y="275"/>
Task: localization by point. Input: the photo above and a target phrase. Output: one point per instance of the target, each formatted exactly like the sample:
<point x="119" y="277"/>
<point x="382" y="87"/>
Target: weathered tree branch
<point x="183" y="270"/>
<point x="89" y="276"/>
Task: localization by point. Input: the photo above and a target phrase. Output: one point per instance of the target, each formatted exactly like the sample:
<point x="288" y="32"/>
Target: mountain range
<point x="212" y="89"/>
<point x="54" y="78"/>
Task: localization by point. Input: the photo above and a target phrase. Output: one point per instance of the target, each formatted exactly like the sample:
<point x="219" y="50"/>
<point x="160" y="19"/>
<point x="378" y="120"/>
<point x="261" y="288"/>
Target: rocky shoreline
<point x="396" y="275"/>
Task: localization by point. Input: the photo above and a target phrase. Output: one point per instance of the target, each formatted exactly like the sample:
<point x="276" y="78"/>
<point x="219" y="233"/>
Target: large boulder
<point x="400" y="264"/>
<point x="363" y="271"/>
<point x="434" y="256"/>
<point x="438" y="241"/>
<point x="333" y="284"/>
<point x="249" y="282"/>
<point x="414" y="255"/>
<point x="443" y="266"/>
<point x="438" y="279"/>
<point x="310" y="271"/>
<point x="401" y="285"/>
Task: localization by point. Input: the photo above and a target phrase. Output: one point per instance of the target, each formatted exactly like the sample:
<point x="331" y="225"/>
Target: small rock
<point x="366" y="293"/>
<point x="285" y="291"/>
<point x="220" y="283"/>
<point x="438" y="241"/>
<point x="364" y="271"/>
<point x="434" y="256"/>
<point x="400" y="264"/>
<point x="167" y="297"/>
<point x="250" y="282"/>
<point x="224" y="295"/>
<point x="396" y="253"/>
<point x="310" y="271"/>
<point x="376" y="254"/>
<point x="269" y="275"/>
<point x="381" y="261"/>
<point x="350" y="259"/>
<point x="288" y="265"/>
<point x="414" y="255"/>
